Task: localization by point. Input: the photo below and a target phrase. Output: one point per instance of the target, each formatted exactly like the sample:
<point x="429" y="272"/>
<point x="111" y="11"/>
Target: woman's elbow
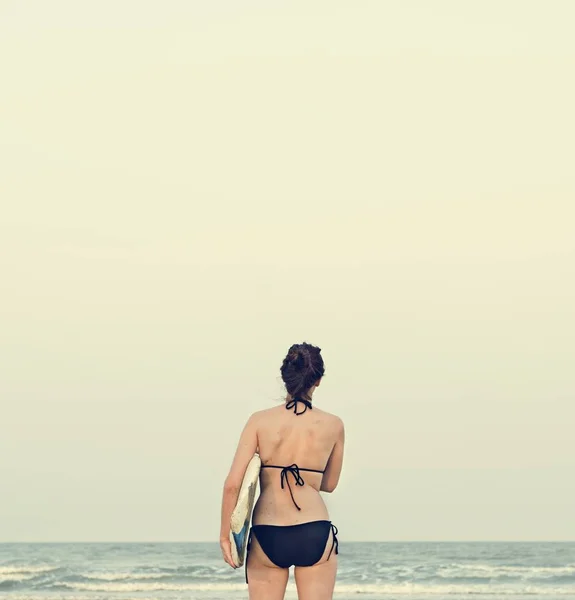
<point x="231" y="485"/>
<point x="328" y="487"/>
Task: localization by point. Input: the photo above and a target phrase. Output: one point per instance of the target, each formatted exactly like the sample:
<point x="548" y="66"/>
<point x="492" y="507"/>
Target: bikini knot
<point x="294" y="470"/>
<point x="335" y="543"/>
<point x="293" y="404"/>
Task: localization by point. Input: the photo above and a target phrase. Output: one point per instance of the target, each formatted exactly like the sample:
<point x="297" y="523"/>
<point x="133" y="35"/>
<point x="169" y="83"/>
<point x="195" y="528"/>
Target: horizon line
<point x="474" y="541"/>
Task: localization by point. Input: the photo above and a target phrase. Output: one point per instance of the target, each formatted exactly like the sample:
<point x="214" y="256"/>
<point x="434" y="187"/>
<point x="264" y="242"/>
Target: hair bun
<point x="301" y="368"/>
<point x="297" y="358"/>
<point x="293" y="356"/>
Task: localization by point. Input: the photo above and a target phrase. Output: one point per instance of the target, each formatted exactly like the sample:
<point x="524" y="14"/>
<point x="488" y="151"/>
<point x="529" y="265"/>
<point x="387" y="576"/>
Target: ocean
<point x="402" y="570"/>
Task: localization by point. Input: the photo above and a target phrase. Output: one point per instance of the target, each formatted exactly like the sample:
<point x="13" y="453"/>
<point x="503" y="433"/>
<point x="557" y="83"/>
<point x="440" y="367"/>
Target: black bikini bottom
<point x="299" y="545"/>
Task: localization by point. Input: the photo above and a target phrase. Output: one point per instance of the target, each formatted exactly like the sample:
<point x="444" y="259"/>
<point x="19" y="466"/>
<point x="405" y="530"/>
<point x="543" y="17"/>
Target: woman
<point x="301" y="448"/>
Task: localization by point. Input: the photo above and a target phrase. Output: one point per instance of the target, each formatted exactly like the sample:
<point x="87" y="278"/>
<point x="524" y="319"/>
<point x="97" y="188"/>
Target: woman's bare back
<point x="300" y="441"/>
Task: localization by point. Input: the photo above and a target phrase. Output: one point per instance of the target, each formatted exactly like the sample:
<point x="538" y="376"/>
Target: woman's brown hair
<point x="301" y="369"/>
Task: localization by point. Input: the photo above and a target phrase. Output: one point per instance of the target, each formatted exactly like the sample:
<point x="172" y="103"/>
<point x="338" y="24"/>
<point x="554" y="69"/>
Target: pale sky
<point x="189" y="187"/>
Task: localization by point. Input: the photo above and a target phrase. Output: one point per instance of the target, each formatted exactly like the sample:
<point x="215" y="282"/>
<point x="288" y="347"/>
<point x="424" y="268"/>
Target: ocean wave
<point x="69" y="596"/>
<point x="45" y="597"/>
<point x="26" y="569"/>
<point x="459" y="573"/>
<point x="559" y="570"/>
<point x="108" y="576"/>
<point x="16" y="577"/>
<point x="415" y="589"/>
<point x="484" y="571"/>
<point x="380" y="588"/>
<point x="13" y="575"/>
<point x="158" y="586"/>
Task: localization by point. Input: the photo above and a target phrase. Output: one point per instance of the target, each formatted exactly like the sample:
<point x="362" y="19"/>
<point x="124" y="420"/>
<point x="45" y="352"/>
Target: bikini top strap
<point x="291" y="468"/>
<point x="293" y="404"/>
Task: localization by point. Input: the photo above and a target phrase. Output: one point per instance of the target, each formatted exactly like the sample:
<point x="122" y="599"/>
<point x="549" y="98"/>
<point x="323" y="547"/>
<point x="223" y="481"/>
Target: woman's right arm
<point x="247" y="446"/>
<point x="332" y="471"/>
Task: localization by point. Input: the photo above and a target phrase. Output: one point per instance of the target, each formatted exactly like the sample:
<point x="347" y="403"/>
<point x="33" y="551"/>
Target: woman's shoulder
<point x="331" y="417"/>
<point x="273" y="411"/>
<point x="261" y="414"/>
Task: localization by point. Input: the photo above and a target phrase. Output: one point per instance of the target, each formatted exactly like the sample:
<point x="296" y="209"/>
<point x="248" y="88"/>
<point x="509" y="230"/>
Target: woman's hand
<point x="226" y="547"/>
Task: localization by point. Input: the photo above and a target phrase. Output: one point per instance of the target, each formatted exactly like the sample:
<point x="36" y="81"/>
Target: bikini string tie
<point x="335" y="542"/>
<point x="294" y="470"/>
<point x="293" y="404"/>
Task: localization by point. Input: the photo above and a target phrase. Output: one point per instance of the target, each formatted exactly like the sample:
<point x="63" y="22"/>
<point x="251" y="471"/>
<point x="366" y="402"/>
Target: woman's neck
<point x="299" y="397"/>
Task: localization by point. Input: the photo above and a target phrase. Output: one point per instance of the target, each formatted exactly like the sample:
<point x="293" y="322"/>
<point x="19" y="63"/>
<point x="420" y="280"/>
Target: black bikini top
<point x="293" y="469"/>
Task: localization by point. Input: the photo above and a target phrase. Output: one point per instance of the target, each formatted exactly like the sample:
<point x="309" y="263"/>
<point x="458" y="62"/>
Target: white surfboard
<point x="242" y="513"/>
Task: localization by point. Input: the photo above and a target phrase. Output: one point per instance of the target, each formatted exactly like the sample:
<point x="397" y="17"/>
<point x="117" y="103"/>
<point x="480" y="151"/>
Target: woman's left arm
<point x="247" y="447"/>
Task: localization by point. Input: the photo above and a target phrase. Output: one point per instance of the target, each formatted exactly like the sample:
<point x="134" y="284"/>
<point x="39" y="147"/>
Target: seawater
<point x="401" y="570"/>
